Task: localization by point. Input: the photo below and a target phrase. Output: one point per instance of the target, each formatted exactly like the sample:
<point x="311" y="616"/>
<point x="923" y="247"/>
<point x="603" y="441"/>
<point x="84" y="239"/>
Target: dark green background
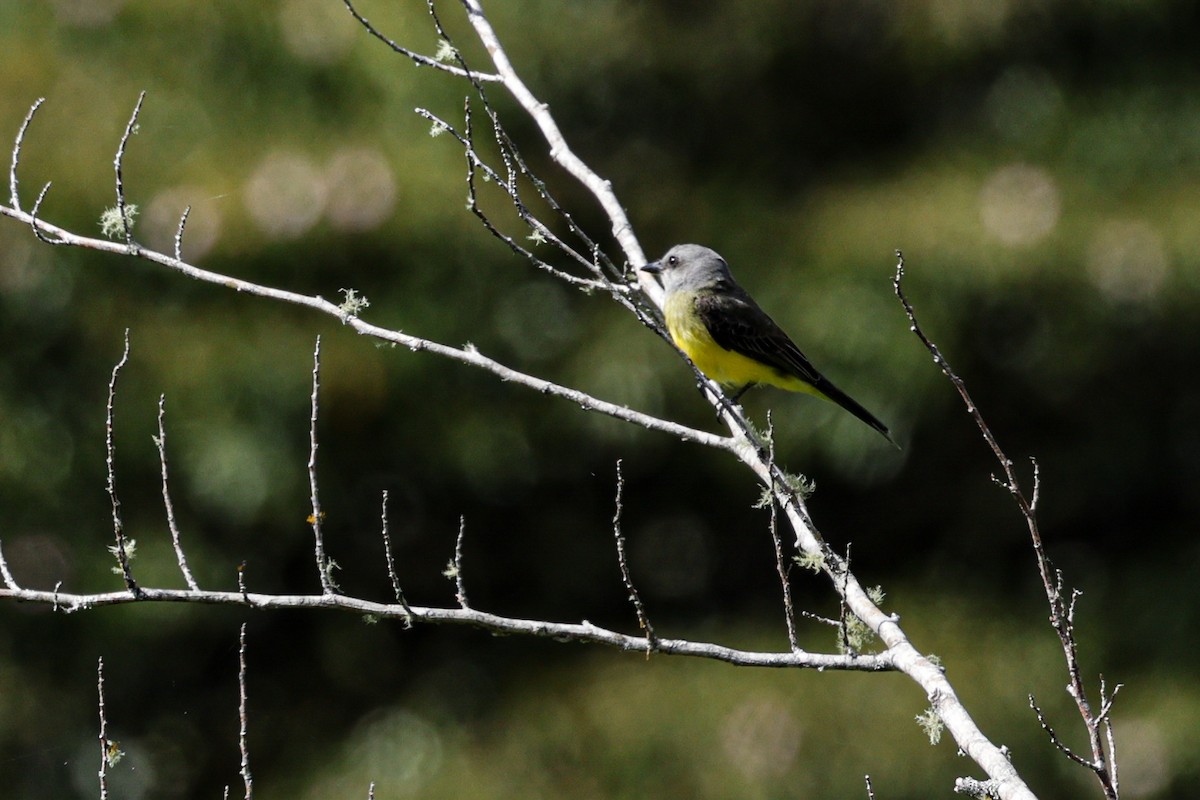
<point x="1039" y="164"/>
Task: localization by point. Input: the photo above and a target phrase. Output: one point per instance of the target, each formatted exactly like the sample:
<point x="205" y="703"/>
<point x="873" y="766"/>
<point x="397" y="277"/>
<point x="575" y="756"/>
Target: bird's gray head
<point x="688" y="268"/>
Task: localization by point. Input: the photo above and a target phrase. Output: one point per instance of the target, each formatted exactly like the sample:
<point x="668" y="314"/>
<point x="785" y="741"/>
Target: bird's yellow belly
<point x="723" y="366"/>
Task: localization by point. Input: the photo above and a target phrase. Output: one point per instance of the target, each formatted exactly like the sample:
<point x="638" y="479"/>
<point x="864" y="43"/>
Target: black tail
<point x="826" y="387"/>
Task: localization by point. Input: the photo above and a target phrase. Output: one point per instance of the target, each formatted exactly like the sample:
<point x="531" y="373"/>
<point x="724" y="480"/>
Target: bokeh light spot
<point x="316" y="31"/>
<point x="1019" y="204"/>
<point x="761" y="738"/>
<point x="1126" y="261"/>
<point x="87" y="13"/>
<point x="362" y="190"/>
<point x="286" y="195"/>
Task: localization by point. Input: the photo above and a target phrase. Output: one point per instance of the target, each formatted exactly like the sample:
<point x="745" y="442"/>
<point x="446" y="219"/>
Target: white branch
<point x="559" y="150"/>
<point x="467" y="355"/>
<point x="559" y="631"/>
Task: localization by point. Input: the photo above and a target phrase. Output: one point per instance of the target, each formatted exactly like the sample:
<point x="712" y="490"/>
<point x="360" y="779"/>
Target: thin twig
<point x="119" y="550"/>
<point x="508" y="185"/>
<point x="623" y="563"/>
<point x="1062" y="747"/>
<point x="833" y="623"/>
<point x="324" y="565"/>
<point x="870" y="789"/>
<point x="456" y="568"/>
<point x="13" y="194"/>
<point x="6" y="574"/>
<point x="119" y="165"/>
<point x="844" y="612"/>
<point x="161" y="442"/>
<point x="1108" y="733"/>
<point x="104" y="743"/>
<point x="510" y="154"/>
<point x="243" y="718"/>
<point x="387" y="552"/>
<point x="183" y="218"/>
<point x="35" y="223"/>
<point x="781" y="566"/>
<point x="417" y="58"/>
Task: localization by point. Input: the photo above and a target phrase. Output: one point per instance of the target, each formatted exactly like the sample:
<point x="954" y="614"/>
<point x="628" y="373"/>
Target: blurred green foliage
<point x="1038" y="164"/>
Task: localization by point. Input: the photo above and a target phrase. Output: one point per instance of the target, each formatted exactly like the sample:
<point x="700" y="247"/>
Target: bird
<point x="728" y="336"/>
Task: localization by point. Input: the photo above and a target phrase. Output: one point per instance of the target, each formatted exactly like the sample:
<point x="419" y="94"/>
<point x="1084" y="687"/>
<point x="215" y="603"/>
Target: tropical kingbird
<point x="729" y="338"/>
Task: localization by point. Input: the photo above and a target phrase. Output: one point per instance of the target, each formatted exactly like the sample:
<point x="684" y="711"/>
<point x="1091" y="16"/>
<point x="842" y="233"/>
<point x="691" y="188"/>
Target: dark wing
<point x="736" y="323"/>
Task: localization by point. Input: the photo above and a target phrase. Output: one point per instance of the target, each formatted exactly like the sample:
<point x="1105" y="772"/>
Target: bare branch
<point x="324" y="564"/>
<point x="119" y="550"/>
<point x="509" y="185"/>
<point x="243" y="724"/>
<point x="6" y="574"/>
<point x="584" y="632"/>
<point x="468" y="354"/>
<point x="1058" y="743"/>
<point x="456" y="567"/>
<point x="844" y="613"/>
<point x="417" y="58"/>
<point x="183" y="218"/>
<point x="1062" y="612"/>
<point x="161" y="442"/>
<point x="387" y="552"/>
<point x="559" y="151"/>
<point x="1108" y="735"/>
<point x="119" y="165"/>
<point x="33" y="218"/>
<point x="105" y="756"/>
<point x="781" y="566"/>
<point x="13" y="194"/>
<point x="623" y="563"/>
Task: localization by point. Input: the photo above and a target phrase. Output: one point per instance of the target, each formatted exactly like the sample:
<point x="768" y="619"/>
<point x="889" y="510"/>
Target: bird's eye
<point x="672" y="260"/>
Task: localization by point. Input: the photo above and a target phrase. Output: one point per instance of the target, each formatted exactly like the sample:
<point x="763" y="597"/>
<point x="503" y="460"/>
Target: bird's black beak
<point x="654" y="268"/>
